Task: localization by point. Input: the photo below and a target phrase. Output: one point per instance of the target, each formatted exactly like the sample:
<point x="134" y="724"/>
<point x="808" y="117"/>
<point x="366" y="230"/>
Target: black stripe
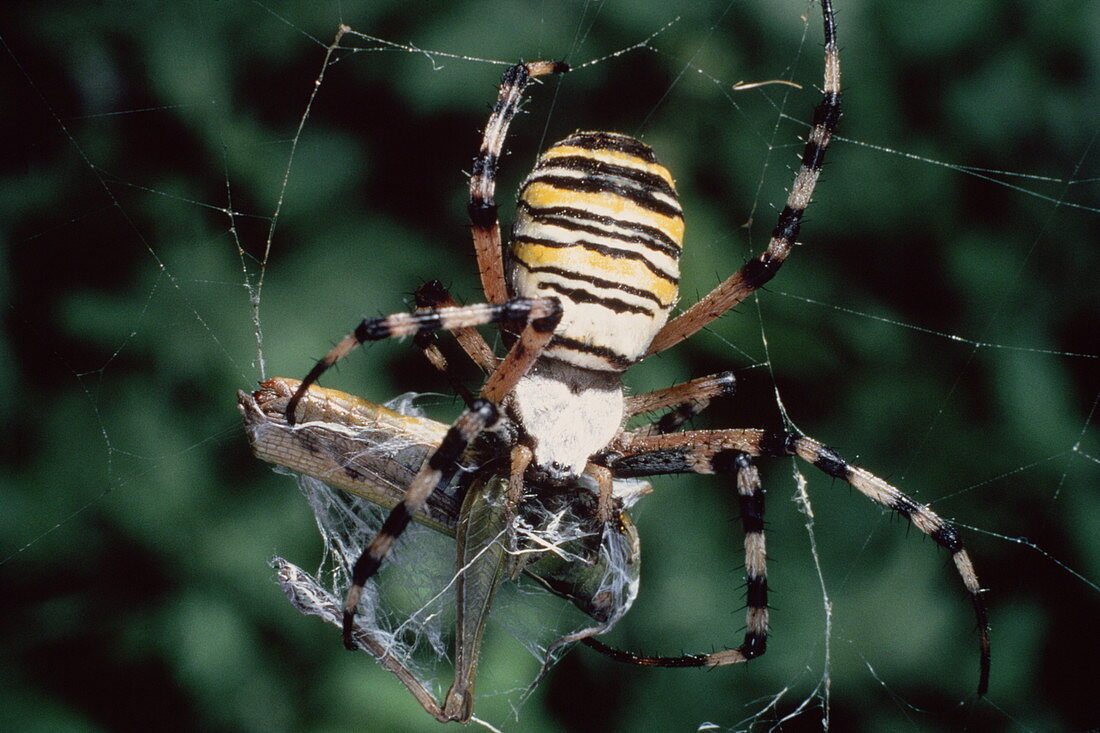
<point x="755" y="644"/>
<point x="756" y="592"/>
<point x="445" y="458"/>
<point x="373" y="329"/>
<point x="485" y="164"/>
<point x="574" y="219"/>
<point x="483" y="214"/>
<point x="366" y="567"/>
<point x="395" y="523"/>
<point x="752" y="512"/>
<point x="603" y="169"/>
<point x="547" y="323"/>
<point x="831" y="463"/>
<point x="449" y="451"/>
<point x="368" y="563"/>
<point x="611" y="141"/>
<point x="777" y="444"/>
<point x="760" y="270"/>
<point x="790" y="221"/>
<point x="653" y="463"/>
<point x="597" y="281"/>
<point x="602" y="249"/>
<point x="579" y="295"/>
<point x="826" y="115"/>
<point x="613" y="357"/>
<point x="593" y="184"/>
<point x="827" y="112"/>
<point x="813" y="155"/>
<point x="948" y="537"/>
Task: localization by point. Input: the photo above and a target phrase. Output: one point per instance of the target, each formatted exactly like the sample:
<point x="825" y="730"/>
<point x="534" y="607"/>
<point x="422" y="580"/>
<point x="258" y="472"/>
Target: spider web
<point x="185" y="217"/>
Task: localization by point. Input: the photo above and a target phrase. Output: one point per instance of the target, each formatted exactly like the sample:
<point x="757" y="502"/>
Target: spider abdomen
<point x="600" y="227"/>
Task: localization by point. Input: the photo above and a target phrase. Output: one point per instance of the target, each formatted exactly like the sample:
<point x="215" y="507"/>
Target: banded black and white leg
<point x="750" y="494"/>
<point x="763" y="267"/>
<point x="538" y="316"/>
<point x="482" y="208"/>
<point x="696" y="451"/>
<point x="437" y="471"/>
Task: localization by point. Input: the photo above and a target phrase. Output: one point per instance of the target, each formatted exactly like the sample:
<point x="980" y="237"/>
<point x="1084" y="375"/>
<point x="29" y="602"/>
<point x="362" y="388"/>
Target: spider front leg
<point x="712" y="451"/>
<point x="437" y="471"/>
<point x="539" y="315"/>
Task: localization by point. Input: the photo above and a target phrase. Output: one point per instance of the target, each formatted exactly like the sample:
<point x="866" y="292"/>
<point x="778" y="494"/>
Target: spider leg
<point x="428" y="343"/>
<point x="482" y="207"/>
<point x="750" y="495"/>
<point x="434" y="295"/>
<point x="751" y="498"/>
<point x="709" y="451"/>
<point x="537" y="311"/>
<point x="763" y="267"/>
<point x="518" y="461"/>
<point x="605" y="502"/>
<point x="687" y="399"/>
<point x="437" y="471"/>
<point x="440" y="467"/>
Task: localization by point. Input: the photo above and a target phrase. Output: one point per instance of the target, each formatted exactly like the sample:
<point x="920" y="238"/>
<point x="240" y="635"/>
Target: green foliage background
<point x="136" y="527"/>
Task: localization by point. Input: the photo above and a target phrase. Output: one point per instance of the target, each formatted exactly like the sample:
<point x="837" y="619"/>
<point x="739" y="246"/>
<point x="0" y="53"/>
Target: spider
<point x="583" y="292"/>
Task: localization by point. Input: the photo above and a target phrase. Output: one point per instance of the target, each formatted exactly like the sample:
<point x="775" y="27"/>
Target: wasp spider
<point x="584" y="292"/>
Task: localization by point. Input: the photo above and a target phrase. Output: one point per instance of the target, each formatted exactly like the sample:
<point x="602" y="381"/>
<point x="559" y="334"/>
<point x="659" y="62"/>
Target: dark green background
<point x="136" y="527"/>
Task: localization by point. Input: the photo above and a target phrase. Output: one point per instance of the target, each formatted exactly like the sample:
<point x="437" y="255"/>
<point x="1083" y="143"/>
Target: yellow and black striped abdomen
<point x="600" y="227"/>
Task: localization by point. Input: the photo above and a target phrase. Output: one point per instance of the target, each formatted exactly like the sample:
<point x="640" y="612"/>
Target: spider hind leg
<point x="708" y="451"/>
<point x="751" y="499"/>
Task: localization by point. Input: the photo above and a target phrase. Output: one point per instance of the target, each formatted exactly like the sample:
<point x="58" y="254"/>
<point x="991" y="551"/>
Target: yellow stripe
<point x="611" y="156"/>
<point x="576" y="259"/>
<point x="543" y="195"/>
